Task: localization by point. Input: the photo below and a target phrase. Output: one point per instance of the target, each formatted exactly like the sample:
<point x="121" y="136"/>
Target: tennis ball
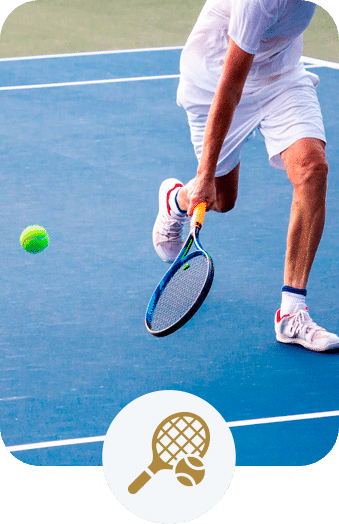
<point x="189" y="470"/>
<point x="34" y="239"/>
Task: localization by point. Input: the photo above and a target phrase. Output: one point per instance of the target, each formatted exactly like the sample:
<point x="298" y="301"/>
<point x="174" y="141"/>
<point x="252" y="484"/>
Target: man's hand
<point x="199" y="190"/>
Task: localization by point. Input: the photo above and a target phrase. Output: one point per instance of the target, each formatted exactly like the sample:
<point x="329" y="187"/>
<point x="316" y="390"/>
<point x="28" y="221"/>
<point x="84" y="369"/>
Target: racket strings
<point x="180" y="293"/>
<point x="181" y="436"/>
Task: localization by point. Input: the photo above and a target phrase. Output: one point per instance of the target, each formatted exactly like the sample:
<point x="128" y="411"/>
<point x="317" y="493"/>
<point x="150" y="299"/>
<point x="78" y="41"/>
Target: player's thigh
<point x="291" y="115"/>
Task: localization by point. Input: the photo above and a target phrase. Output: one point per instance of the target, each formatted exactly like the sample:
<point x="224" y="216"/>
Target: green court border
<point x="74" y="494"/>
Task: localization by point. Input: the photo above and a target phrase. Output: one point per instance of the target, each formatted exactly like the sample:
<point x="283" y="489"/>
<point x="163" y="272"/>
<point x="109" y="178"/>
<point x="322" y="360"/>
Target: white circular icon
<point x="169" y="457"/>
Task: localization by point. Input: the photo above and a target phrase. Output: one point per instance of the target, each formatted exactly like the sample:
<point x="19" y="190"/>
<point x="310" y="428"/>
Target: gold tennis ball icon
<point x="175" y="437"/>
<point x="189" y="470"/>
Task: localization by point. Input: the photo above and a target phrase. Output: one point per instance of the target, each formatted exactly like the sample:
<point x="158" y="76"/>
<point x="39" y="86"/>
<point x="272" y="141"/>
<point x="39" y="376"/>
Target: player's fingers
<point x="200" y="191"/>
<point x="192" y="206"/>
<point x="190" y="210"/>
<point x="195" y="201"/>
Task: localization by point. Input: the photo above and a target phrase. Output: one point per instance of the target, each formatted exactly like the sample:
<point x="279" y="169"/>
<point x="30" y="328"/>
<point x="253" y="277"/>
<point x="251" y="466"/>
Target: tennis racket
<point x="177" y="435"/>
<point x="185" y="285"/>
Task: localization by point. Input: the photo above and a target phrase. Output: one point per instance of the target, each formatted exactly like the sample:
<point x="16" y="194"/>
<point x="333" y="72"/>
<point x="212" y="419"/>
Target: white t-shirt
<point x="269" y="29"/>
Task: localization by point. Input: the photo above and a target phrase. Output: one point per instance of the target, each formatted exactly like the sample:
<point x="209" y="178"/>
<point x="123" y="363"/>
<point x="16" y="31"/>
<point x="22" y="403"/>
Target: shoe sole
<point x="287" y="340"/>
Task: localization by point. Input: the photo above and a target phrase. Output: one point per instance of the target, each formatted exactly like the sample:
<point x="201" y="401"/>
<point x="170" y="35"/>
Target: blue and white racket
<point x="185" y="285"/>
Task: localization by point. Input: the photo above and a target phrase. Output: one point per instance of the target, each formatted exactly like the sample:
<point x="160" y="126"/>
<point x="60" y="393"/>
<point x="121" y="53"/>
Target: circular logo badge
<point x="169" y="457"/>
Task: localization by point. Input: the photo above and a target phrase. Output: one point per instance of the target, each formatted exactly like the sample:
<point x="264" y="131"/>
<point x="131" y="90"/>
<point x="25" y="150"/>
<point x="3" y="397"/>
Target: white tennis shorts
<point x="284" y="110"/>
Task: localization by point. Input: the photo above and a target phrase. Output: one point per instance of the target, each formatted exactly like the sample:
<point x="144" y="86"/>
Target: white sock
<point x="173" y="204"/>
<point x="289" y="301"/>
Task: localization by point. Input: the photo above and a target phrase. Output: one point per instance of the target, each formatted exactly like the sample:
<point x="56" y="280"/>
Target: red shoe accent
<point x="168" y="196"/>
<point x="279" y="318"/>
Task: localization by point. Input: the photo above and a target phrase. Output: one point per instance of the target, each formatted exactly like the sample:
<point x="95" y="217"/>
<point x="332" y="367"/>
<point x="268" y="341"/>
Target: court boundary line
<point x="91" y="53"/>
<point x="318" y="62"/>
<point x="240" y="423"/>
<point x="315" y="61"/>
<point x="88" y="82"/>
<point x="314" y="64"/>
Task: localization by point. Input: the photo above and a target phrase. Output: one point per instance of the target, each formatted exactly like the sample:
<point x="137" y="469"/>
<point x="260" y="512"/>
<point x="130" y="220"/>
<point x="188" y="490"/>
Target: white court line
<point x="314" y="64"/>
<point x="90" y="53"/>
<point x="88" y="82"/>
<point x="318" y="62"/>
<point x="310" y="63"/>
<point x="55" y="443"/>
<point x="290" y="418"/>
<point x="253" y="422"/>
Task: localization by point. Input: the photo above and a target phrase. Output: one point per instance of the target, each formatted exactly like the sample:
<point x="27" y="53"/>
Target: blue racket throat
<point x="185" y="285"/>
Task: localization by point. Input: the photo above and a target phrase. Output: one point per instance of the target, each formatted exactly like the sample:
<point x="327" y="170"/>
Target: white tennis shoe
<point x="299" y="328"/>
<point x="168" y="227"/>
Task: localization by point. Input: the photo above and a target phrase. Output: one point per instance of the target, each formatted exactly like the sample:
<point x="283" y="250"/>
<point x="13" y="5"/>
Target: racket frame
<point x="183" y="258"/>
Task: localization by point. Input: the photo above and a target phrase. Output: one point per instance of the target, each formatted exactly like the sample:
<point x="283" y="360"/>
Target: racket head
<point x="180" y="293"/>
<point x="180" y="434"/>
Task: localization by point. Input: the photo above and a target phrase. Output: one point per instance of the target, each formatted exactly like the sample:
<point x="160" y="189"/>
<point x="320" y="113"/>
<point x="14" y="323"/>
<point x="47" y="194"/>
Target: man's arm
<point x="236" y="67"/>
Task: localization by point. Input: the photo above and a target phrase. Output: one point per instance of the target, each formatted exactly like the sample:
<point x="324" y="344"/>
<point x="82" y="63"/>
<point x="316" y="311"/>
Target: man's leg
<point x="306" y="166"/>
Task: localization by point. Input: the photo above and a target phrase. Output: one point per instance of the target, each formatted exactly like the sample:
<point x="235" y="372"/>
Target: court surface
<point x="86" y="141"/>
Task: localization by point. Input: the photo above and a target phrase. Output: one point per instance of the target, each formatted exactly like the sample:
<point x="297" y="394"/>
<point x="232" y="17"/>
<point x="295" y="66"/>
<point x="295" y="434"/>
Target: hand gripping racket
<point x="178" y="435"/>
<point x="185" y="285"/>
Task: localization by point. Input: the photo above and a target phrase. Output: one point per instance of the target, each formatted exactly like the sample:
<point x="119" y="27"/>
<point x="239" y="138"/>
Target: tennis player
<point x="241" y="70"/>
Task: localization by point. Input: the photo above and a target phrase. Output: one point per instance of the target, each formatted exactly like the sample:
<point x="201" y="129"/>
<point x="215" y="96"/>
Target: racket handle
<point x="139" y="482"/>
<point x="198" y="215"/>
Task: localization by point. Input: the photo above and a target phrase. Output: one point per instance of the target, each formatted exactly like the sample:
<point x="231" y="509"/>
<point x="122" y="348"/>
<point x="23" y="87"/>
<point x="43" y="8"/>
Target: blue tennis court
<point x="86" y="141"/>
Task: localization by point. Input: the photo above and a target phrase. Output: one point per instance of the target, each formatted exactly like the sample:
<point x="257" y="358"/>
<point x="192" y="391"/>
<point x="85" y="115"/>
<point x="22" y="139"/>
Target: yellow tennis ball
<point x="34" y="239"/>
<point x="189" y="470"/>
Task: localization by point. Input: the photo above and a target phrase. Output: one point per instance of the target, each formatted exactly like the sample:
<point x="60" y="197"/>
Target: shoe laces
<point x="301" y="323"/>
<point x="172" y="228"/>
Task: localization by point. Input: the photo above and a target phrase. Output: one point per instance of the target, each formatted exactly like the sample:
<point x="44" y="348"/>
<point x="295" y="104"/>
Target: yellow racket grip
<point x="198" y="215"/>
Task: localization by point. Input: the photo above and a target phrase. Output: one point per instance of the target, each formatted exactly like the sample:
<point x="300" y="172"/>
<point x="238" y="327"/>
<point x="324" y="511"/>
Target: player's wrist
<point x="205" y="176"/>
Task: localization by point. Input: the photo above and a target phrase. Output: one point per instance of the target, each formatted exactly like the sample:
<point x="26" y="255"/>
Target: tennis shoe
<point x="168" y="227"/>
<point x="299" y="328"/>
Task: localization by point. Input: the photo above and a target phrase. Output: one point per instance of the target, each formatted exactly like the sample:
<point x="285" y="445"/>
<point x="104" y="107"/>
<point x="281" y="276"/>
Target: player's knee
<point x="310" y="174"/>
<point x="316" y="176"/>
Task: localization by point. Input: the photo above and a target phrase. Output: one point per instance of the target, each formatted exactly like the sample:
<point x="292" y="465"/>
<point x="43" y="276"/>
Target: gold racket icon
<point x="177" y="435"/>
